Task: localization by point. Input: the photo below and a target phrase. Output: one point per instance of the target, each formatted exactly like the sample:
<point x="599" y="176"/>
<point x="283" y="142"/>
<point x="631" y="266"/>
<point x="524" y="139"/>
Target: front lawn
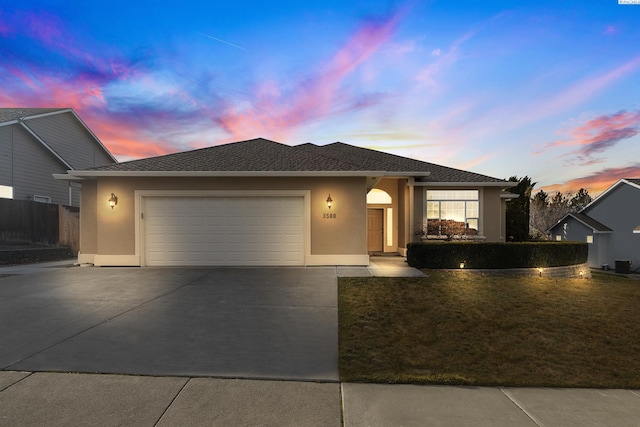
<point x="468" y="328"/>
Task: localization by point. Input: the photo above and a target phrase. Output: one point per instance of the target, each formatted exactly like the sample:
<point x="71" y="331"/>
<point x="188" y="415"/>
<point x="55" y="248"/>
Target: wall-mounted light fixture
<point x="462" y="264"/>
<point x="113" y="200"/>
<point x="329" y="201"/>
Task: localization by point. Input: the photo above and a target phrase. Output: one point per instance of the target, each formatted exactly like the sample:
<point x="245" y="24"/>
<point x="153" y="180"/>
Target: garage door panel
<point x="223" y="230"/>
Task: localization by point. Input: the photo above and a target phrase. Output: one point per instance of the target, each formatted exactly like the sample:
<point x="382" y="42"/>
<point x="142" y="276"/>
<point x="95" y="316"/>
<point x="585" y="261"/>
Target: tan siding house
<point x="259" y="202"/>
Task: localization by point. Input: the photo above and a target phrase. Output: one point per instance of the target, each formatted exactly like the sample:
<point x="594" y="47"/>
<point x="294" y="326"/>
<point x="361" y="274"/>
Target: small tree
<point x="545" y="212"/>
<point x="580" y="200"/>
<point x="517" y="210"/>
<point x="539" y="215"/>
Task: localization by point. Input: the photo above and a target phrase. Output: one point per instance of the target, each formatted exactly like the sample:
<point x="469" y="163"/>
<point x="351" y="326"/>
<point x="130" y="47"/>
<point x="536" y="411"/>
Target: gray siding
<point x="574" y="231"/>
<point x="70" y="140"/>
<point x="619" y="210"/>
<point x="6" y="156"/>
<point x="32" y="169"/>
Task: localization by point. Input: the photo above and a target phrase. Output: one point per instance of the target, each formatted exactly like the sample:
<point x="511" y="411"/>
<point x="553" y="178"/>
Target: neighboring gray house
<point x="36" y="143"/>
<point x="610" y="224"/>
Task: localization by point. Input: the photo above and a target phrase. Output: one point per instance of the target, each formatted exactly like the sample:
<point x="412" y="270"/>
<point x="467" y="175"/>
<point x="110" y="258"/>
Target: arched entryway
<point x="379" y="220"/>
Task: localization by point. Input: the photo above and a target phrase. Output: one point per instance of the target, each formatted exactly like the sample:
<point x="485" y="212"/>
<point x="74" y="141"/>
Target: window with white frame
<point x="452" y="213"/>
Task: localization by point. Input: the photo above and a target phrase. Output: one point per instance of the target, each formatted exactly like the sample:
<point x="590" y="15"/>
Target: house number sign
<point x="328" y="215"/>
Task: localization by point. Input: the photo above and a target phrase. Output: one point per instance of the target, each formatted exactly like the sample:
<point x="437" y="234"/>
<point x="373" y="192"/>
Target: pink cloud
<point x="276" y="115"/>
<point x="124" y="140"/>
<point x="599" y="134"/>
<point x="596" y="183"/>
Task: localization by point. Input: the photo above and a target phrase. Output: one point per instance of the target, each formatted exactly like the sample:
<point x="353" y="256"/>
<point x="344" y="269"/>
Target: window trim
<point x="465" y="200"/>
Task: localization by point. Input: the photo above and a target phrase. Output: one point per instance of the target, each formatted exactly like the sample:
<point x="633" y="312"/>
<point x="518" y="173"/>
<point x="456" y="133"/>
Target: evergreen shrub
<point x="438" y="254"/>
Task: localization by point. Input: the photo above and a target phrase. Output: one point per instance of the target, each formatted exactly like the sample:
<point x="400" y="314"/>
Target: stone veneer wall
<point x="570" y="271"/>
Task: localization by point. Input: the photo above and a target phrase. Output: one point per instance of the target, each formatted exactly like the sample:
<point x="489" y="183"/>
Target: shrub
<point x="440" y="254"/>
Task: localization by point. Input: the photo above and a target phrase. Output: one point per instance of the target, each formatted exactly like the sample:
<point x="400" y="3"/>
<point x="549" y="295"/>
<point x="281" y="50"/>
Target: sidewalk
<point x="63" y="399"/>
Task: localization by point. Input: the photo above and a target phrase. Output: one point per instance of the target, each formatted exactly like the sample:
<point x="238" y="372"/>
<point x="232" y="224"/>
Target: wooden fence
<point x="27" y="222"/>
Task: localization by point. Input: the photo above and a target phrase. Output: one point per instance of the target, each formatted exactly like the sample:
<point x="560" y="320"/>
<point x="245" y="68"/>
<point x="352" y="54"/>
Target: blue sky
<point x="539" y="88"/>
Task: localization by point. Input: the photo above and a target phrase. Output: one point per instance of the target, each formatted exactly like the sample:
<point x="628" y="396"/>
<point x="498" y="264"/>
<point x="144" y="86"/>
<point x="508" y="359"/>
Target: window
<point x="452" y="212"/>
<point x="6" y="192"/>
<point x="378" y="197"/>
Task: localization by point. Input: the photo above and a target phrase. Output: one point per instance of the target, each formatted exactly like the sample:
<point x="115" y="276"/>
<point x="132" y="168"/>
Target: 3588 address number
<point x="328" y="215"/>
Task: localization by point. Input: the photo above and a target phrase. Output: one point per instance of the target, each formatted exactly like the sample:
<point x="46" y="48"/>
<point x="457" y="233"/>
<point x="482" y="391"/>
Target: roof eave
<point x="503" y="184"/>
<point x="188" y="174"/>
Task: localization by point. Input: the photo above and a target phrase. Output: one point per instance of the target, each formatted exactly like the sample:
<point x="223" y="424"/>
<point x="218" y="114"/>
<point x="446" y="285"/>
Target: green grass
<point x="473" y="329"/>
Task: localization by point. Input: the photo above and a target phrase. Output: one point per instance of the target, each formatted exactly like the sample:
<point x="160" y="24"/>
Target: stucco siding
<point x="89" y="218"/>
<point x="492" y="216"/>
<point x="343" y="234"/>
<point x="70" y="140"/>
<point x="403" y="214"/>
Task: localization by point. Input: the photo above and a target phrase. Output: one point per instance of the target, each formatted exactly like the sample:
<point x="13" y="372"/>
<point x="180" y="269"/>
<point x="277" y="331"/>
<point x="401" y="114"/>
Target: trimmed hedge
<point x="439" y="254"/>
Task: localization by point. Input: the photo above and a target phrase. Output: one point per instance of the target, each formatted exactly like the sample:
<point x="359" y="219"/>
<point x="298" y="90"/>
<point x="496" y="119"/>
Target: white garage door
<point x="223" y="230"/>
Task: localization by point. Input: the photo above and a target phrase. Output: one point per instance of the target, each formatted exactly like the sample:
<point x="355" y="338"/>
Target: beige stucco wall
<point x="88" y="218"/>
<point x="106" y="231"/>
<point x="493" y="215"/>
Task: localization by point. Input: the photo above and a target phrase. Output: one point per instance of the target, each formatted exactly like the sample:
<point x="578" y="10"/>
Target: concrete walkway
<point x="65" y="399"/>
<point x="56" y="320"/>
<point x="381" y="266"/>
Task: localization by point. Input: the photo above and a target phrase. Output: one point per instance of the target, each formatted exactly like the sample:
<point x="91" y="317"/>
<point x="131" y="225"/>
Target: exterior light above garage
<point x="329" y="201"/>
<point x="113" y="200"/>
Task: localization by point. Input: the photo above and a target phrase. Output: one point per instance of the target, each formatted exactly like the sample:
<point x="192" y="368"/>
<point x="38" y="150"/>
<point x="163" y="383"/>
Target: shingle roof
<point x="378" y="160"/>
<point x="264" y="155"/>
<point x="9" y="114"/>
<point x="586" y="220"/>
<point x="635" y="181"/>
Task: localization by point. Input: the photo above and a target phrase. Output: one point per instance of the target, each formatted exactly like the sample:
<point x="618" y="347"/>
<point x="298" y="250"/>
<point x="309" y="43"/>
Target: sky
<point x="545" y="89"/>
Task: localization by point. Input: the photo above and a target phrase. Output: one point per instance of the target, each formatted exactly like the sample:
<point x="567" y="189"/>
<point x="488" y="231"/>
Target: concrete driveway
<point x="267" y="323"/>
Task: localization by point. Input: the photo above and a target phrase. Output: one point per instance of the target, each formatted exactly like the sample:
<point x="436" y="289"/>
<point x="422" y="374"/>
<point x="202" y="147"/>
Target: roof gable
<point x="59" y="131"/>
<point x="633" y="182"/>
<point x="586" y="220"/>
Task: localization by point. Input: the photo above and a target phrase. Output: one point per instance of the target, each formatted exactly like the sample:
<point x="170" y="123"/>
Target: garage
<point x="229" y="230"/>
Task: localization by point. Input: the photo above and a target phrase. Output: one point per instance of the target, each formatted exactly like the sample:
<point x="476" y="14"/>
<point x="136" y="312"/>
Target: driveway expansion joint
<point x="529" y="415"/>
